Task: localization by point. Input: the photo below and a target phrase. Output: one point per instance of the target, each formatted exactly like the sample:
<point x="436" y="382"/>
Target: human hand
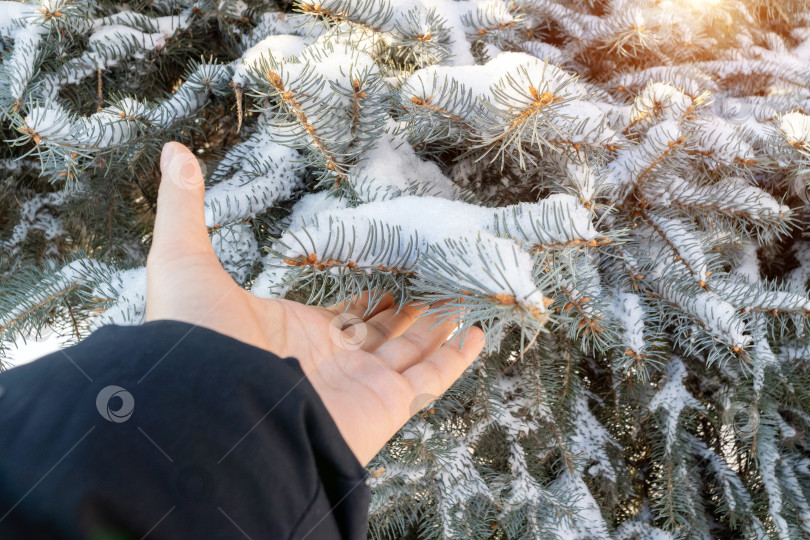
<point x="370" y="391"/>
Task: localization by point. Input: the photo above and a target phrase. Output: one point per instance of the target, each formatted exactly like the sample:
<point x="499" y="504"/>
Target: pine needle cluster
<point x="615" y="191"/>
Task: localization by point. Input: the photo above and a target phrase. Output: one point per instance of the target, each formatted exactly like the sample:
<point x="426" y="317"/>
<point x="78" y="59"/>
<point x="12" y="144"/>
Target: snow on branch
<point x="116" y="38"/>
<point x="672" y="399"/>
<point x="633" y="165"/>
<point x="253" y="175"/>
<point x="422" y="36"/>
<point x="692" y="81"/>
<point x="768" y="457"/>
<point x="490" y="278"/>
<point x="27" y="26"/>
<point x="23" y="311"/>
<point x="641" y="344"/>
<point x="657" y="102"/>
<point x="795" y="128"/>
<point x="629" y="311"/>
<point x="447" y="256"/>
<point x="715" y="316"/>
<point x="458" y="482"/>
<point x="762" y="297"/>
<point x="672" y="243"/>
<point x="732" y="200"/>
<point x="514" y="104"/>
<point x="19" y="66"/>
<point x="69" y="142"/>
<point x="236" y="248"/>
<point x="579" y="298"/>
<point x="125" y="295"/>
<point x="442" y="27"/>
<point x="35" y="215"/>
<point x="587" y="520"/>
<point x="391" y="168"/>
<point x="555" y="222"/>
<point x="590" y="441"/>
<point x="528" y="106"/>
<point x="721" y="143"/>
<point x="328" y="100"/>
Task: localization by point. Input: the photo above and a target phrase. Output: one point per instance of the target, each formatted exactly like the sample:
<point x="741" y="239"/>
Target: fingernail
<point x="166" y="154"/>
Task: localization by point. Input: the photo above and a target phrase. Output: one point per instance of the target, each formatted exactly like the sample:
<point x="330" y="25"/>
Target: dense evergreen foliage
<point x="615" y="190"/>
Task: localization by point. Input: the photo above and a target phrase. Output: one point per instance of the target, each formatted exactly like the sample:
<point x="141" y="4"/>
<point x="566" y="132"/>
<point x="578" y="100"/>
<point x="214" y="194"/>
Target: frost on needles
<point x="615" y="191"/>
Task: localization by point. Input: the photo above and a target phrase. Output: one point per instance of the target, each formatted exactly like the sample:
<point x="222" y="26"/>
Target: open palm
<point x="372" y="368"/>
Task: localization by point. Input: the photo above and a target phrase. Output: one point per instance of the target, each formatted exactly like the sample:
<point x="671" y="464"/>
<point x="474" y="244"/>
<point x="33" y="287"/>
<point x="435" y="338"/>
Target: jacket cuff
<point x="219" y="437"/>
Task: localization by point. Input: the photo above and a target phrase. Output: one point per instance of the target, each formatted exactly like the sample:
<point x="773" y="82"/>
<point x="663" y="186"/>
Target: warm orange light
<point x="705" y="3"/>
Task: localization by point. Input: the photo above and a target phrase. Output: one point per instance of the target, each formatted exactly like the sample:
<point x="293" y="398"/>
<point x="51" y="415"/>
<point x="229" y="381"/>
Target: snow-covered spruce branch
<point x="62" y="292"/>
<point x="68" y="143"/>
<point x="616" y="191"/>
<point x="250" y="178"/>
<point x="732" y="201"/>
<point x="115" y="38"/>
<point x="345" y="246"/>
<point x="111" y="40"/>
<point x="35" y="215"/>
<point x="333" y="127"/>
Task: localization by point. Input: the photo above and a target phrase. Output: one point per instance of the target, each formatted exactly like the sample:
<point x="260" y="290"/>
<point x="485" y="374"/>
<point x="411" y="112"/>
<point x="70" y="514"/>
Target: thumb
<point x="180" y="221"/>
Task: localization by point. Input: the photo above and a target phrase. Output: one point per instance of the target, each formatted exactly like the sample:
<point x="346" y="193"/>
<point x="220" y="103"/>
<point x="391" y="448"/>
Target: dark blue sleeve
<point x="169" y="430"/>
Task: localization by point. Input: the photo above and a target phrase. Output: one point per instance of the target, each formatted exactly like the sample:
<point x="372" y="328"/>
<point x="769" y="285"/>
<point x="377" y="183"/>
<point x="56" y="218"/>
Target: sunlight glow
<point x="705" y="4"/>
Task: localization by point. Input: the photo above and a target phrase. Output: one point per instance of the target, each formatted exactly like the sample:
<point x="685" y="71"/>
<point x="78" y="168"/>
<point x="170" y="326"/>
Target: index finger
<point x="440" y="370"/>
